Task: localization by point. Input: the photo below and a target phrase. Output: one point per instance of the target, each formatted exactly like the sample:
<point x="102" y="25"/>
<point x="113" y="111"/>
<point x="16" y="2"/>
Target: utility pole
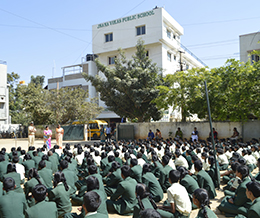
<point x="181" y="66"/>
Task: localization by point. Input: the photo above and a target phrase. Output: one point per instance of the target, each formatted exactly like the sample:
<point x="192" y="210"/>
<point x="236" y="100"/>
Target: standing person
<point x="31" y="134"/>
<point x="59" y="135"/>
<point x="215" y="135"/>
<point x="179" y="133"/>
<point x="47" y="134"/>
<point x="108" y="132"/>
<point x="195" y="135"/>
<point x="102" y="133"/>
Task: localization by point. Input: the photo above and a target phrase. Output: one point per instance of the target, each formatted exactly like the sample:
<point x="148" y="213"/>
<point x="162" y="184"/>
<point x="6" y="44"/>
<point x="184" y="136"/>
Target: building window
<point x="187" y="66"/>
<point x="140" y="30"/>
<point x="111" y="60"/>
<point x="254" y="58"/>
<point x="174" y="57"/>
<point x="169" y="34"/>
<point x="169" y="56"/>
<point x="147" y="53"/>
<point x="109" y="37"/>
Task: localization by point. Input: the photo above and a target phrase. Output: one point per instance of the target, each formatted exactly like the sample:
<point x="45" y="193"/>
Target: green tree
<point x="69" y="105"/>
<point x="38" y="80"/>
<point x="129" y="87"/>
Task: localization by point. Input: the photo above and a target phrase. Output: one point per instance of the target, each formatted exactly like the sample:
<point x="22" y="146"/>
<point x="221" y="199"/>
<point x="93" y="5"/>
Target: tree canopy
<point x="32" y="102"/>
<point x="233" y="91"/>
<point x="130" y="86"/>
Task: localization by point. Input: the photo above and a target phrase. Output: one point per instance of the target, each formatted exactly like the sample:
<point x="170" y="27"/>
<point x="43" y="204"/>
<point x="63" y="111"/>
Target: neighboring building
<point x="162" y="38"/>
<point x="4" y="95"/>
<point x="161" y="35"/>
<point x="248" y="43"/>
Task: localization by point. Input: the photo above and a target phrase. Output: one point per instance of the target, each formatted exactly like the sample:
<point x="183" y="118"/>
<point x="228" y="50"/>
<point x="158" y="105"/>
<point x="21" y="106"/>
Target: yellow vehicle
<point x="94" y="127"/>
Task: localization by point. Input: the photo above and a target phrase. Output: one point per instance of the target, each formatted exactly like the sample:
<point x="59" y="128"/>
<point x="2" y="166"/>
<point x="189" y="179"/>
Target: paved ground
<point x="8" y="143"/>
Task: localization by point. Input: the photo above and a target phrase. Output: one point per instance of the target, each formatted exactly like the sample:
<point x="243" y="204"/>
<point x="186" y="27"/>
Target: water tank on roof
<point x="91" y="57"/>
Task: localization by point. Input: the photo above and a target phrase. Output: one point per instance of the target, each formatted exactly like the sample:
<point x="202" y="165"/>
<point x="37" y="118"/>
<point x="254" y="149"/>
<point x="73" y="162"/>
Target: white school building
<point x="162" y="38"/>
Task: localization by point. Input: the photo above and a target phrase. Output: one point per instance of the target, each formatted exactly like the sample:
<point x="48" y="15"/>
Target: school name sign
<point x="126" y="19"/>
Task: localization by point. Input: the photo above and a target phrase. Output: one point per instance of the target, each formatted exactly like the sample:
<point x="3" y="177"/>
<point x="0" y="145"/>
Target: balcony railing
<point x="193" y="55"/>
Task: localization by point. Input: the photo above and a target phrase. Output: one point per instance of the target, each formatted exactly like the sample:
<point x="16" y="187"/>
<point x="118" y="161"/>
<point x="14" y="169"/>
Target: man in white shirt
<point x="31" y="134"/>
<point x="180" y="160"/>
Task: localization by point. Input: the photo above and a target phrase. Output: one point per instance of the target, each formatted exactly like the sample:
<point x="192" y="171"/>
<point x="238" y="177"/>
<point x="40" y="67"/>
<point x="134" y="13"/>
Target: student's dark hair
<point x="198" y="165"/>
<point x="174" y="176"/>
<point x="234" y="166"/>
<point x="134" y="162"/>
<point x="204" y="154"/>
<point x="45" y="157"/>
<point x="154" y="157"/>
<point x="115" y="165"/>
<point x="27" y="156"/>
<point x="8" y="184"/>
<point x="111" y="158"/>
<point x="202" y="196"/>
<point x="149" y="213"/>
<point x="90" y="161"/>
<point x="60" y="177"/>
<point x="211" y="160"/>
<point x="11" y="168"/>
<point x="139" y="155"/>
<point x="243" y="169"/>
<point x="15" y="159"/>
<point x="177" y="152"/>
<point x="39" y="192"/>
<point x="142" y="191"/>
<point x="254" y="187"/>
<point x="96" y="153"/>
<point x="92" y="183"/>
<point x="64" y="164"/>
<point x="92" y="169"/>
<point x="194" y="157"/>
<point x="33" y="173"/>
<point x="103" y="155"/>
<point x="165" y="159"/>
<point x="35" y="153"/>
<point x="92" y="201"/>
<point x="183" y="171"/>
<point x="241" y="160"/>
<point x="42" y="164"/>
<point x="147" y="168"/>
<point x="126" y="170"/>
<point x="68" y="158"/>
<point x="220" y="151"/>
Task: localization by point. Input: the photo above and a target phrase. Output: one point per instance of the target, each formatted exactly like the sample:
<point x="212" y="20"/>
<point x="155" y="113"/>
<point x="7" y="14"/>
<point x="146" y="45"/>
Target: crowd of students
<point x="130" y="178"/>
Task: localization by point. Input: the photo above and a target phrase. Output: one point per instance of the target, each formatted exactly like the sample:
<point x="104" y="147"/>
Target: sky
<point x="41" y="37"/>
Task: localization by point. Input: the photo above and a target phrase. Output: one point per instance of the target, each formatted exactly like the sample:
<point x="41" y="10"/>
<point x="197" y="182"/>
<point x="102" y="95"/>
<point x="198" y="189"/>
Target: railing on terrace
<point x="193" y="55"/>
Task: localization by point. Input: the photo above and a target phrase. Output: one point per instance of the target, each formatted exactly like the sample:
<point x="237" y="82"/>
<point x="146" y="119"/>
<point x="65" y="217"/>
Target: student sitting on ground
<point x="42" y="208"/>
<point x="201" y="200"/>
<point x="231" y="205"/>
<point x="91" y="204"/>
<point x="204" y="180"/>
<point x="252" y="193"/>
<point x="12" y="204"/>
<point x="177" y="196"/>
<point x="124" y="199"/>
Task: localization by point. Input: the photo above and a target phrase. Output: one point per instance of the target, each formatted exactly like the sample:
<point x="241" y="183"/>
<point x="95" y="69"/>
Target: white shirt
<point x="178" y="195"/>
<point x="222" y="159"/>
<point x="79" y="158"/>
<point x="172" y="164"/>
<point x="206" y="166"/>
<point x="181" y="161"/>
<point x="141" y="161"/>
<point x="97" y="160"/>
<point x="20" y="169"/>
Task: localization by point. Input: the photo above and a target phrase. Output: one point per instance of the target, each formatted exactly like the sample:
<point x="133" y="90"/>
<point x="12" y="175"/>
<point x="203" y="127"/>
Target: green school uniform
<point x="17" y="180"/>
<point x="96" y="215"/>
<point x="1" y="188"/>
<point x="126" y="194"/>
<point x="3" y="169"/>
<point x="155" y="188"/>
<point x="254" y="210"/>
<point x="36" y="159"/>
<point x="62" y="199"/>
<point x="46" y="175"/>
<point x="54" y="163"/>
<point x="257" y="176"/>
<point x="12" y="205"/>
<point x="205" y="181"/>
<point x="106" y="169"/>
<point x="48" y="165"/>
<point x="42" y="209"/>
<point x="164" y="178"/>
<point x="119" y="160"/>
<point x="241" y="202"/>
<point x="112" y="182"/>
<point x="71" y="179"/>
<point x="100" y="180"/>
<point x="136" y="173"/>
<point x="147" y="204"/>
<point x="157" y="167"/>
<point x="215" y="175"/>
<point x="30" y="184"/>
<point x="29" y="164"/>
<point x="210" y="213"/>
